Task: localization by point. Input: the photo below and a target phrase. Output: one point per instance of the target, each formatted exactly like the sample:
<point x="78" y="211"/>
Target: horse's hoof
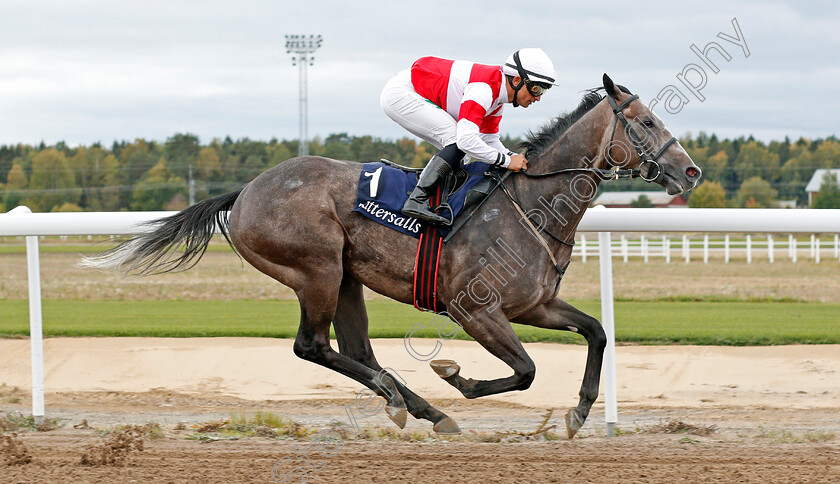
<point x="398" y="415"/>
<point x="447" y="426"/>
<point x="445" y="368"/>
<point x="573" y="422"/>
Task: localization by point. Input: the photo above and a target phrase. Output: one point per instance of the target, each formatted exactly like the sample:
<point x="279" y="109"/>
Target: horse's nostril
<point x="692" y="172"/>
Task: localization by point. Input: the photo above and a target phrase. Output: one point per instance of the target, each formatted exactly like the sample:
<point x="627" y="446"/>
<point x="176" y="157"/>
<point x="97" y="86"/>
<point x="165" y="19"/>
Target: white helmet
<point x="531" y="65"/>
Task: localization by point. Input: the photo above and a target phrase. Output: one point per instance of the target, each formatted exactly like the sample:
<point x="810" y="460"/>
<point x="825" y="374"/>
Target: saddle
<point x="476" y="193"/>
<point x="463" y="194"/>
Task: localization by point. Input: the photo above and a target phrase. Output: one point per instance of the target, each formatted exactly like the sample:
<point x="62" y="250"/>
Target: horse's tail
<point x="174" y="244"/>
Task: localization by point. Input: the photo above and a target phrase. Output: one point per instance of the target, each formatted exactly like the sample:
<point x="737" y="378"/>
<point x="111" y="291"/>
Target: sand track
<point x="635" y="458"/>
<point x="775" y="410"/>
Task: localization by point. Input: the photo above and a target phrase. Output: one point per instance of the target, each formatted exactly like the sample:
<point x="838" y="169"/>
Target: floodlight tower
<point x="302" y="47"/>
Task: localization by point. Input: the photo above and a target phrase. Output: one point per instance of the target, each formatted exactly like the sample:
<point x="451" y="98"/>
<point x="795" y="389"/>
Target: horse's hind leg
<point x="351" y="331"/>
<point x="558" y="314"/>
<point x="318" y="301"/>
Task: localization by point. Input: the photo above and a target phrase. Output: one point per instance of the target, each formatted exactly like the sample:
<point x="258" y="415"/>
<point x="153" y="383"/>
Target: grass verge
<point x="17" y="422"/>
<point x="640" y="322"/>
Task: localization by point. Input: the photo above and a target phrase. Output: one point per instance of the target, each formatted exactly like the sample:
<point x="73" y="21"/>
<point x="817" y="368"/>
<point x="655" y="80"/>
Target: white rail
<point x="647" y="247"/>
<point x="17" y="223"/>
<point x="20" y="222"/>
<point x="731" y="220"/>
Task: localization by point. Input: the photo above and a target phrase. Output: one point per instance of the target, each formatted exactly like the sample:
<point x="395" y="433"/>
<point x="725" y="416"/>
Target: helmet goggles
<point x="536" y="89"/>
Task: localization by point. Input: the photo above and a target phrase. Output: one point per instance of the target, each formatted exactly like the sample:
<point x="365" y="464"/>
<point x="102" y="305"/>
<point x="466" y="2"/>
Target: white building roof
<point x="624" y="198"/>
<point x="816" y="181"/>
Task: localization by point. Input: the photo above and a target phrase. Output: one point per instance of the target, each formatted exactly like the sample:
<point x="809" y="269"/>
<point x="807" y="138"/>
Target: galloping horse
<point x="295" y="223"/>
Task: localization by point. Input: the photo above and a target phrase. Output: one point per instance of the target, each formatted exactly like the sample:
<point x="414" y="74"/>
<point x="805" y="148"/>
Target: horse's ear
<point x="609" y="86"/>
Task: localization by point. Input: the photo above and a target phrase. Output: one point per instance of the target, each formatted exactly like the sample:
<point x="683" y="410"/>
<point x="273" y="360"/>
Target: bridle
<point x="654" y="171"/>
<point x="654" y="174"/>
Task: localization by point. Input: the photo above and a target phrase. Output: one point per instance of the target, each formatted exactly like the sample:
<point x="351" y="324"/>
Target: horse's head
<point x="638" y="139"/>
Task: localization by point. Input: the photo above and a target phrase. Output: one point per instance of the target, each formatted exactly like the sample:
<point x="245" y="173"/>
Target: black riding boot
<point x="435" y="174"/>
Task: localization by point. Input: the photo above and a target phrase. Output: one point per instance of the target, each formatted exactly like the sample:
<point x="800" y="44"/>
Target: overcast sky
<point x="103" y="70"/>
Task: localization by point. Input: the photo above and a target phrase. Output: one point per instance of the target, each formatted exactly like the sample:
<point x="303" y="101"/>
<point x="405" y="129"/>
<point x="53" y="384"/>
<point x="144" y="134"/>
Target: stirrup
<point x="427" y="216"/>
<point x="446" y="206"/>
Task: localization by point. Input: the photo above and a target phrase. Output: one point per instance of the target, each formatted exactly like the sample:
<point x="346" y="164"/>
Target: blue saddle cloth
<point x="384" y="189"/>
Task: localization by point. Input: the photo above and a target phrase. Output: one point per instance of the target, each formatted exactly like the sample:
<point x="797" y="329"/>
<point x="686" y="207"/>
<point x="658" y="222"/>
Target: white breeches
<point x="414" y="113"/>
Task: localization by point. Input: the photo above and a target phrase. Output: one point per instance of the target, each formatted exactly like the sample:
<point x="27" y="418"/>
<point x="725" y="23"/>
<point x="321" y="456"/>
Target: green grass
<point x="261" y="424"/>
<point x="17" y="422"/>
<point x="261" y="419"/>
<point x="642" y="322"/>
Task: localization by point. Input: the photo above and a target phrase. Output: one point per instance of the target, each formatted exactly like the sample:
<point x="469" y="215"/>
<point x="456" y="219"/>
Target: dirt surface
<point x="636" y="458"/>
<point x="745" y="445"/>
<point x="764" y="415"/>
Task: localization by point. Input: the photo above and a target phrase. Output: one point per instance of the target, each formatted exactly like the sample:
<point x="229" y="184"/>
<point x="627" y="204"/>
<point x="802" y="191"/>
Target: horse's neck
<point x="564" y="198"/>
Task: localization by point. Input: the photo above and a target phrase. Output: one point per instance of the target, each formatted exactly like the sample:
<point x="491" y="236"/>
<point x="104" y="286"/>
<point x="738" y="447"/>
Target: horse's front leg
<point x="558" y="314"/>
<point x="494" y="332"/>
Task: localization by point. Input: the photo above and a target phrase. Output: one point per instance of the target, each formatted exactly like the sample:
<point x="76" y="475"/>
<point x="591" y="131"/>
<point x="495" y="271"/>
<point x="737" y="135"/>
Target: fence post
<point x="624" y="249"/>
<point x="686" y="248"/>
<point x="749" y="249"/>
<point x="36" y="333"/>
<point x="817" y="250"/>
<point x="790" y="246"/>
<point x="813" y="237"/>
<point x="726" y="249"/>
<point x="706" y="248"/>
<point x="582" y="248"/>
<point x="793" y="243"/>
<point x="770" y="248"/>
<point x="667" y="250"/>
<point x="608" y="322"/>
<point x="644" y="247"/>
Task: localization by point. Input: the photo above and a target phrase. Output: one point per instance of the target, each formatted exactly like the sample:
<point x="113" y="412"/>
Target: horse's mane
<point x="554" y="129"/>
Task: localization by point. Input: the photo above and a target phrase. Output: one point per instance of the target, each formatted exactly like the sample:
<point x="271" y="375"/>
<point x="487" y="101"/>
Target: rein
<point x="605" y="174"/>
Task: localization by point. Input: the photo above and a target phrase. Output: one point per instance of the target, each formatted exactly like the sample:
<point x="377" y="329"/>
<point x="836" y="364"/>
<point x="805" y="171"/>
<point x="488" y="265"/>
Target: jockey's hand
<point x="518" y="163"/>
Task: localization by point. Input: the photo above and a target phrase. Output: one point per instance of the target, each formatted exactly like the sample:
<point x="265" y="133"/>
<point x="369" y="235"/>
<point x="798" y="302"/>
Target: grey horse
<point x="295" y="223"/>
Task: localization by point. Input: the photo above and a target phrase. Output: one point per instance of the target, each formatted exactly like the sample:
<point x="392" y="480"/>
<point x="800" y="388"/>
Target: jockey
<point x="456" y="106"/>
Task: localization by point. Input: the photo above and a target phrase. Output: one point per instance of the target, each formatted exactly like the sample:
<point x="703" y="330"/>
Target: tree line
<point x="152" y="175"/>
<point x="749" y="173"/>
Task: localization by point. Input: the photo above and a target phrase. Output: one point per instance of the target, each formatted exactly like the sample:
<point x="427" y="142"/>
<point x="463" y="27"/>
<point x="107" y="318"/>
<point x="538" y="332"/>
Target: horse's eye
<point x="648" y="123"/>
